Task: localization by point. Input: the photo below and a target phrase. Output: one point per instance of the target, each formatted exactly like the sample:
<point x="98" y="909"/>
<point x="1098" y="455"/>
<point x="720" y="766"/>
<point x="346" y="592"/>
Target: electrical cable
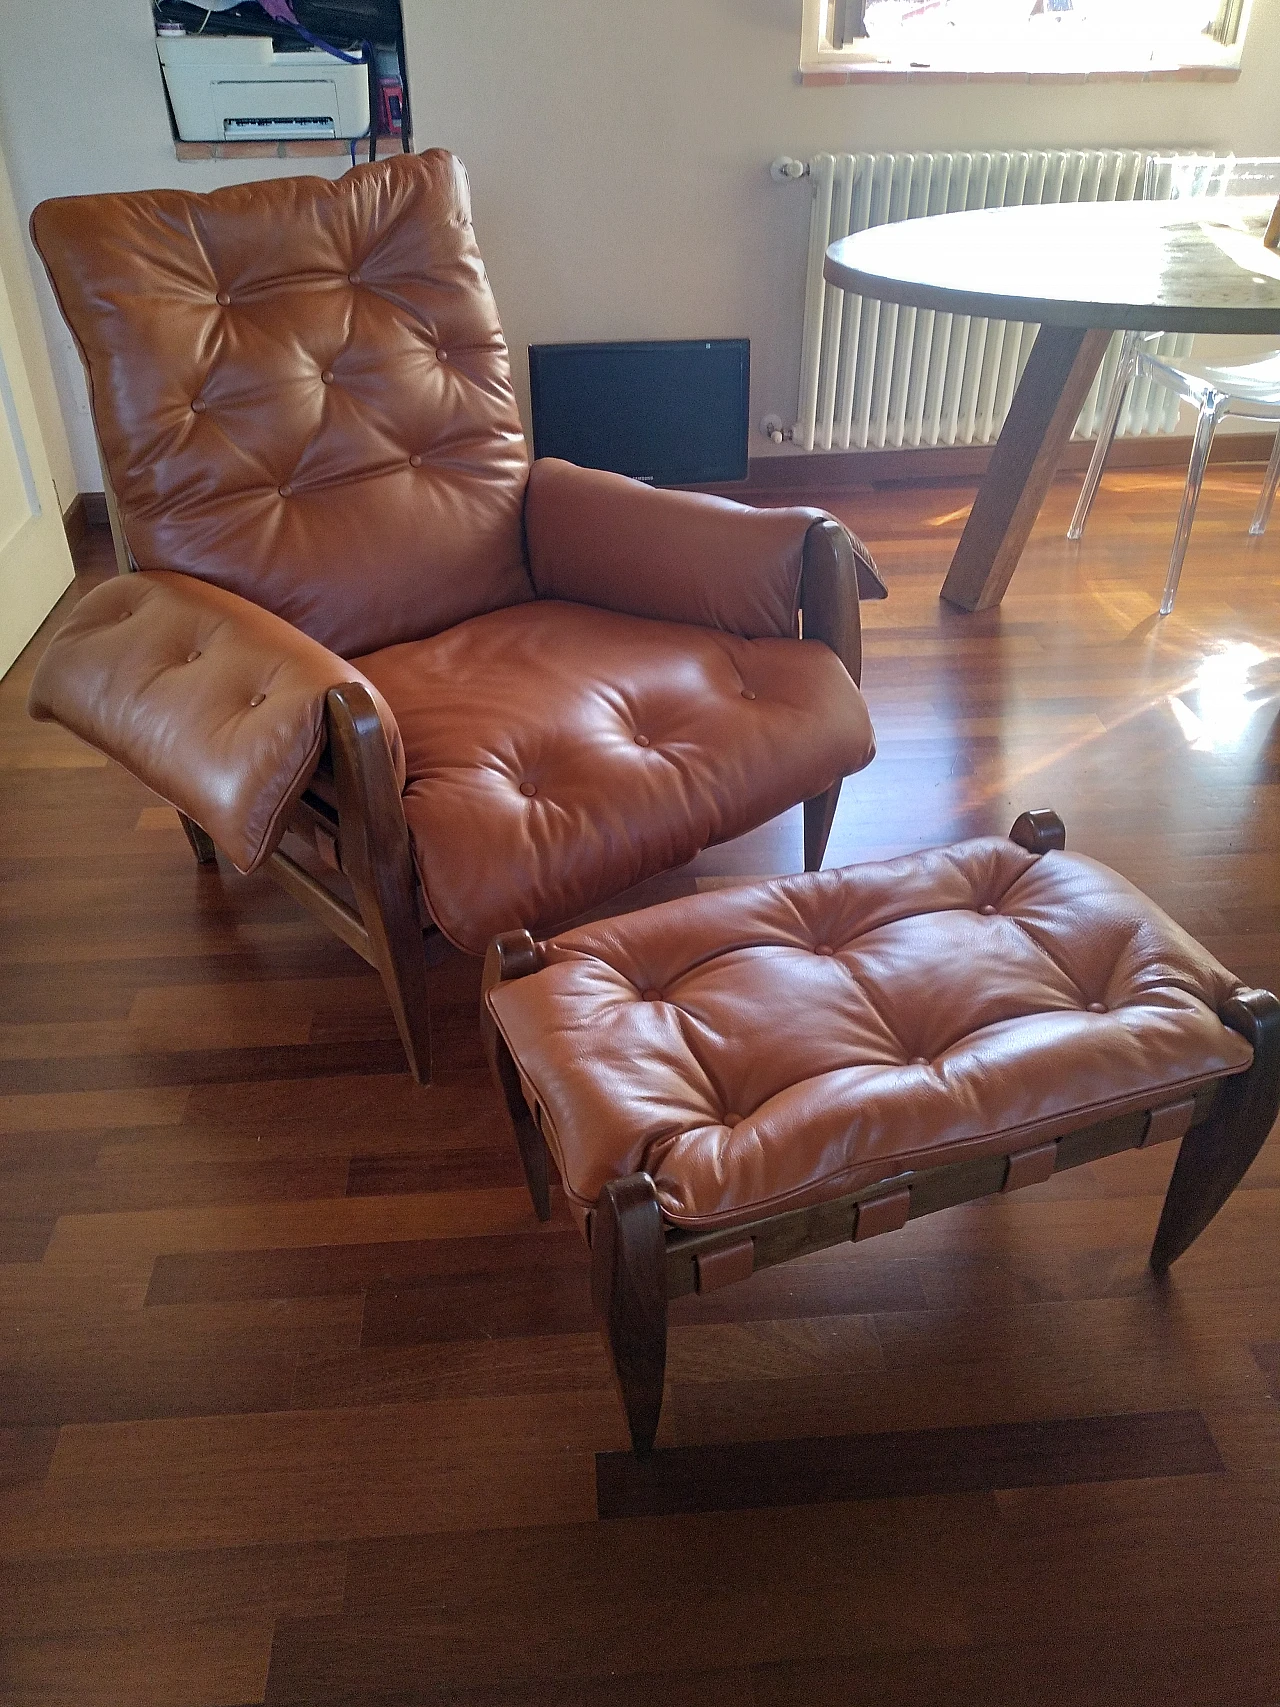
<point x="406" y="118"/>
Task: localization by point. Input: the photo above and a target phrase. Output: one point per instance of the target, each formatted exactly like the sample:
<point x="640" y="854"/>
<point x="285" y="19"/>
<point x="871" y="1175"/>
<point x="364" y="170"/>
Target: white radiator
<point x="874" y="374"/>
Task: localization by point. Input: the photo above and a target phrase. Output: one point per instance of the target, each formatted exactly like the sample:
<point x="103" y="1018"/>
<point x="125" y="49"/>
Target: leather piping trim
<point x="970" y="1149"/>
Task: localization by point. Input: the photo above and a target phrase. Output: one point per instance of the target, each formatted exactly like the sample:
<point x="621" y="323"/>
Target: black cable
<point x="406" y="118"/>
<point x="371" y="54"/>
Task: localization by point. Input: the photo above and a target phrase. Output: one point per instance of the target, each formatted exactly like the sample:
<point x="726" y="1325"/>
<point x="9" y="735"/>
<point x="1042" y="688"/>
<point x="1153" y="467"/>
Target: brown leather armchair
<point x="491" y="696"/>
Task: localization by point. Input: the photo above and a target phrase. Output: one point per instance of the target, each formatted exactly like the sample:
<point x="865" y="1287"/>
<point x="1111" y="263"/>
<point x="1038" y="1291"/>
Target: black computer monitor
<point x="672" y="413"/>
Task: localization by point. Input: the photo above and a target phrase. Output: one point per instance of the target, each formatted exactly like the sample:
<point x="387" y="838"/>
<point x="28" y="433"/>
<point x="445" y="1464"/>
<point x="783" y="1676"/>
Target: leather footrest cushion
<point x="763" y="1048"/>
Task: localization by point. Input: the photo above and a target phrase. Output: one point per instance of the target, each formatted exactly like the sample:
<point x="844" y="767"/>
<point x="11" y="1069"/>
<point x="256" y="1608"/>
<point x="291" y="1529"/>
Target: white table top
<point x="1179" y="266"/>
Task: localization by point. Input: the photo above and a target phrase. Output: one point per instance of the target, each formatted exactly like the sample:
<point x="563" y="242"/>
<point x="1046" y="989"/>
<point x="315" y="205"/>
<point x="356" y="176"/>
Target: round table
<point x="1080" y="270"/>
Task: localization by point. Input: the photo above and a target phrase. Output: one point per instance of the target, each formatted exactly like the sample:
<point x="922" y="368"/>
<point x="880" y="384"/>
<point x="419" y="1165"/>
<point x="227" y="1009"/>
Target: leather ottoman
<point x="738" y="1078"/>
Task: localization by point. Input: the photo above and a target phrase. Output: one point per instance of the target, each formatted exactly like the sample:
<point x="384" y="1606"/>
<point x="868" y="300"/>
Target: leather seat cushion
<point x="763" y="1048"/>
<point x="556" y="754"/>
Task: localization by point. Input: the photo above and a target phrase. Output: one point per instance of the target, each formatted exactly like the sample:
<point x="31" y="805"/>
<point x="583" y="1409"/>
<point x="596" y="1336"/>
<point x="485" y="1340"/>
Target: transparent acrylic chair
<point x="1251" y="391"/>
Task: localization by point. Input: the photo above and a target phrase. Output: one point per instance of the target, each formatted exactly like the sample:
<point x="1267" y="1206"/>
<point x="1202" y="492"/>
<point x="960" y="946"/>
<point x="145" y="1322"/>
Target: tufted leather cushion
<point x="557" y="754"/>
<point x="303" y="393"/>
<point x="781" y="1044"/>
<point x="216" y="705"/>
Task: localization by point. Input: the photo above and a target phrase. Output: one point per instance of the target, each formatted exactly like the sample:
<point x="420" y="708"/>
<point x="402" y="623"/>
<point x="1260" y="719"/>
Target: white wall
<point x="618" y="151"/>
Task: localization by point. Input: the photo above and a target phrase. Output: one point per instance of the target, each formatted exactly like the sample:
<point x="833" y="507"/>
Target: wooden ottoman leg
<point x="1215" y="1155"/>
<point x="819" y="815"/>
<point x="629" y="1292"/>
<point x="201" y="844"/>
<point x="514" y="955"/>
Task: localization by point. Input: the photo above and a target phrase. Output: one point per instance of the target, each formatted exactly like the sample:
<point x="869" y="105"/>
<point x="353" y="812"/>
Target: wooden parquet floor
<point x="298" y="1403"/>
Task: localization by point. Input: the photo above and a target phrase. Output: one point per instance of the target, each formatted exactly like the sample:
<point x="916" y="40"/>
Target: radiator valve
<point x="784" y="169"/>
<point x="771" y="427"/>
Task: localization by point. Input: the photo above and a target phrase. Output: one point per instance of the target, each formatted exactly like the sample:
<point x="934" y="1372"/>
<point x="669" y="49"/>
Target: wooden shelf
<point x="307" y="148"/>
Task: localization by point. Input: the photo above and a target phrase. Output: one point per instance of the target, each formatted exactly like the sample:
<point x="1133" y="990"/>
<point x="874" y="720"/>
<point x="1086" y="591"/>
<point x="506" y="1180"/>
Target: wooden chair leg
<point x="1215" y="1155"/>
<point x="819" y="815"/>
<point x="201" y="845"/>
<point x="512" y="955"/>
<point x="377" y="861"/>
<point x="629" y="1292"/>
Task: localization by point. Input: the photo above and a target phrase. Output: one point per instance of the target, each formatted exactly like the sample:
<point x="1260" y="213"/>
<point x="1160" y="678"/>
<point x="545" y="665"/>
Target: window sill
<point x="868" y="73"/>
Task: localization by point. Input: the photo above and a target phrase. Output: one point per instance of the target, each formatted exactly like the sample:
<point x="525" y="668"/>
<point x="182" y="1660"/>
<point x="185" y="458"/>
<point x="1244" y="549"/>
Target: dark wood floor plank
<point x="312" y="1476"/>
<point x="446" y="1167"/>
<point x="196" y="1067"/>
<point x="25" y="1454"/>
<point x="119" y="1364"/>
<point x="566" y="1605"/>
<point x="309" y="1271"/>
<point x="148" y="1591"/>
<point x="112" y="1185"/>
<point x="719" y="1688"/>
<point x="758" y="1474"/>
<point x="1268" y="1360"/>
<point x="498" y="1304"/>
<point x="1233" y="1665"/>
<point x="453" y="1370"/>
<point x="25" y="1238"/>
<point x="220" y="1663"/>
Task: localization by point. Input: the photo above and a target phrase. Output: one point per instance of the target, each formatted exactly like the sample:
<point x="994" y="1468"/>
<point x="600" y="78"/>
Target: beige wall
<point x="618" y="151"/>
<point x="619" y="155"/>
<point x="20" y="289"/>
<point x="82" y="109"/>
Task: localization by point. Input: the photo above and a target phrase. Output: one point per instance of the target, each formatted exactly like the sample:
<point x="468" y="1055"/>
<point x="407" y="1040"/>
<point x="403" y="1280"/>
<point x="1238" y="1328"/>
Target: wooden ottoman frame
<point x="639" y="1262"/>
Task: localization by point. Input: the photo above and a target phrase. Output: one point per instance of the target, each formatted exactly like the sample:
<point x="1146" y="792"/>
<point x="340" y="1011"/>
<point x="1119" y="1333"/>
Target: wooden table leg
<point x="1054" y="385"/>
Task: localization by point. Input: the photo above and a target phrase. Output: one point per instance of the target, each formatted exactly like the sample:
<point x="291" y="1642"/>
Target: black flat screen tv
<point x="673" y="414"/>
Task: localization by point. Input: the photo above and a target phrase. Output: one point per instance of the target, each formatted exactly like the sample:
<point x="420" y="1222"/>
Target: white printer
<point x="239" y="89"/>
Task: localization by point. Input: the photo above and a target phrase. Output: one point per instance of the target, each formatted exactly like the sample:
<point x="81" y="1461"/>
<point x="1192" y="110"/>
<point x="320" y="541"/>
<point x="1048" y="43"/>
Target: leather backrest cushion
<point x="303" y="394"/>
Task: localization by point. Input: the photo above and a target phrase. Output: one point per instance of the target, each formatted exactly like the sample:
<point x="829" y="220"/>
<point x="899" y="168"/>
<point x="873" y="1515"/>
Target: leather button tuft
<point x="729" y="1119"/>
<point x="1097" y="1008"/>
<point x="222" y="299"/>
<point x="918" y="1061"/>
<point x="747" y="694"/>
<point x="192" y="656"/>
<point x="651" y="995"/>
<point x="442" y="355"/>
<point x="257" y="699"/>
<point x="642" y="740"/>
<point x="986" y="909"/>
<point x="823" y="948"/>
<point x="286" y="491"/>
<point x="125" y="613"/>
<point x="415" y="461"/>
<point x="326" y="378"/>
<point x="354" y="278"/>
<point x="528" y="788"/>
<point x="198" y="405"/>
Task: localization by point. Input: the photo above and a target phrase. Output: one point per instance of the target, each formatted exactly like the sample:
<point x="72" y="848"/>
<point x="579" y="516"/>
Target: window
<point x="1068" y="37"/>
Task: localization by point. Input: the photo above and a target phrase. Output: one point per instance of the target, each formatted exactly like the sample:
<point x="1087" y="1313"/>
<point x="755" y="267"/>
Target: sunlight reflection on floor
<point x="1226" y="698"/>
